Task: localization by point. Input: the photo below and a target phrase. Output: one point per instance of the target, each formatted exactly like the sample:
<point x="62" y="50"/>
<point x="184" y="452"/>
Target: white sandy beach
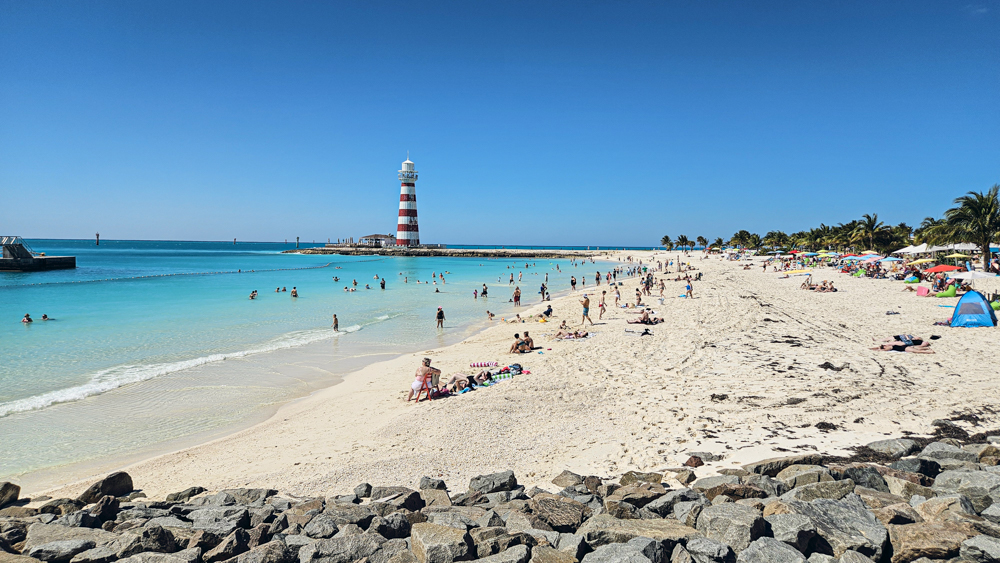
<point x="734" y="371"/>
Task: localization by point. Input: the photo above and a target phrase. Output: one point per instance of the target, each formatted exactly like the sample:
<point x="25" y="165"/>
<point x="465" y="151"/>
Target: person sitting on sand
<point x="564" y="326"/>
<point x="547" y="312"/>
<point x="518" y="347"/>
<point x="529" y="341"/>
<point x="425" y="374"/>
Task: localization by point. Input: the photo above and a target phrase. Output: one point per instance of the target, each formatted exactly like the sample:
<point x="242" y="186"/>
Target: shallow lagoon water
<point x="155" y="342"/>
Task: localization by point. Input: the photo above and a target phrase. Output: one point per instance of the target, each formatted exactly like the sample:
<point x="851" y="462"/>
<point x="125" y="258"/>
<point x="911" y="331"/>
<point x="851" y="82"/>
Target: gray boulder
<point x="341" y="549"/>
<point x="138" y="540"/>
<point x="704" y="550"/>
<point x="854" y="557"/>
<point x="493" y="483"/>
<point x="364" y="490"/>
<point x="687" y="512"/>
<point x="515" y="554"/>
<point x="773" y="466"/>
<point x="79" y="519"/>
<point x="866" y="476"/>
<point x="706" y="483"/>
<point x="39" y="533"/>
<point x="100" y="554"/>
<point x="843" y="525"/>
<point x="9" y="493"/>
<point x="773" y="487"/>
<point x="59" y="551"/>
<point x="896" y="448"/>
<point x="941" y="450"/>
<point x="117" y="484"/>
<point x="432" y="543"/>
<point x="232" y="545"/>
<point x="981" y="487"/>
<point x="270" y="552"/>
<point x="616" y="553"/>
<point x="734" y="524"/>
<point x="923" y="466"/>
<point x="185" y="556"/>
<point x="604" y="529"/>
<point x="826" y="490"/>
<point x="185" y="495"/>
<point x="343" y="514"/>
<point x="821" y="558"/>
<point x="981" y="549"/>
<point x="664" y="506"/>
<point x="992" y="513"/>
<point x="769" y="550"/>
<point x="431" y="483"/>
<point x="321" y="526"/>
<point x="794" y="529"/>
<point x="567" y="479"/>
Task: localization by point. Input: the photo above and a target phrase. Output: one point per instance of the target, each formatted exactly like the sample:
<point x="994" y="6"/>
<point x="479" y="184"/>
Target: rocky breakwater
<point x="920" y="501"/>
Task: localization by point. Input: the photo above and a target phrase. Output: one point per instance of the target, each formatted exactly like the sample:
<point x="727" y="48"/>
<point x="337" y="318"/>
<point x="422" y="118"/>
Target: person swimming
<point x="27" y="319"/>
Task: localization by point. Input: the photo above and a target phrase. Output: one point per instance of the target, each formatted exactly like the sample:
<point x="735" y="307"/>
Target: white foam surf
<point x="118" y="376"/>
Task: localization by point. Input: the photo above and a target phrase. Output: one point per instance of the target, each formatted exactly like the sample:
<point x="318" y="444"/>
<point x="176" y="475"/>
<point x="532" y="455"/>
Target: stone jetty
<point x="911" y="499"/>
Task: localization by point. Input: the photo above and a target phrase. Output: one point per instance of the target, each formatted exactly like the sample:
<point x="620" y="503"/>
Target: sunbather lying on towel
<point x="645" y="320"/>
<point x="571" y="335"/>
<point x="905" y="343"/>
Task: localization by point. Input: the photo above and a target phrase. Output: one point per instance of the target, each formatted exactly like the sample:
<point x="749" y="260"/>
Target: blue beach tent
<point x="973" y="310"/>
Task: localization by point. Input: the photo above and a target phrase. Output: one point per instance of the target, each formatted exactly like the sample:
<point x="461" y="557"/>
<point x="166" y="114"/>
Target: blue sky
<point x="585" y="123"/>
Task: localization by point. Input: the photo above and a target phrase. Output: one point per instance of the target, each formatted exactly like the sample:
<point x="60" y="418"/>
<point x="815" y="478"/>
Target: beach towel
<point x="483" y="364"/>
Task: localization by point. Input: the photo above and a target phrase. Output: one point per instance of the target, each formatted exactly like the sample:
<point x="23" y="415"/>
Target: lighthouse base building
<point x="407" y="228"/>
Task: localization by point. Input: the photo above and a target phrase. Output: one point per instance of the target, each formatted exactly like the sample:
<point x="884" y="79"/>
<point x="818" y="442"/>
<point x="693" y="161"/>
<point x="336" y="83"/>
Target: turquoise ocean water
<point x="157" y="342"/>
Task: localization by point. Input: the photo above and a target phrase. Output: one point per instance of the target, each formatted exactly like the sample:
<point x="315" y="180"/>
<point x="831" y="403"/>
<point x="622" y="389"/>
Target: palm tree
<point x="932" y="231"/>
<point x="868" y="228"/>
<point x="740" y="238"/>
<point x="754" y="241"/>
<point x="702" y="242"/>
<point x="666" y="242"/>
<point x="976" y="220"/>
<point x="683" y="241"/>
<point x="718" y="242"/>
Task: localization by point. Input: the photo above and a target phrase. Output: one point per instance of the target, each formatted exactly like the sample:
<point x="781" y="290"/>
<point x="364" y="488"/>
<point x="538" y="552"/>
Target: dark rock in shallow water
<point x="493" y="483"/>
<point x="60" y="551"/>
<point x="186" y="494"/>
<point x="117" y="484"/>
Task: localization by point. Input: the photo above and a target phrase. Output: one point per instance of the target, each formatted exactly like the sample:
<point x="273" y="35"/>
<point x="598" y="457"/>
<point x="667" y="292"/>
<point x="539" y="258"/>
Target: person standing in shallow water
<point x="336" y="324"/>
<point x="440" y="318"/>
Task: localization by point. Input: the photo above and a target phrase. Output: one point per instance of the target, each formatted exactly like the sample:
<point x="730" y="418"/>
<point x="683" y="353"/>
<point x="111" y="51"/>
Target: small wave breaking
<point x="119" y="376"/>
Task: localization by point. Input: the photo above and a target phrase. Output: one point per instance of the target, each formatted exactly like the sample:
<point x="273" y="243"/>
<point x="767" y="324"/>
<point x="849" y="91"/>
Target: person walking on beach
<point x="601" y="306"/>
<point x="689" y="290"/>
<point x="336" y="323"/>
<point x="618" y="296"/>
<point x="440" y="318"/>
<point x="586" y="310"/>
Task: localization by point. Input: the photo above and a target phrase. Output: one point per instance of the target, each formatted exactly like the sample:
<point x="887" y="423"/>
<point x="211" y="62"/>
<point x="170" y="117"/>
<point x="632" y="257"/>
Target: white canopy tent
<point x="919" y="249"/>
<point x="965" y="246"/>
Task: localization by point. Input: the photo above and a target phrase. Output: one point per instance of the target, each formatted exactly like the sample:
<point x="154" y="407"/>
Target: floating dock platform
<point x="18" y="257"/>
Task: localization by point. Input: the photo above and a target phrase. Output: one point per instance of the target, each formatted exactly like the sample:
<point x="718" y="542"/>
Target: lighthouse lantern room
<point x="407" y="229"/>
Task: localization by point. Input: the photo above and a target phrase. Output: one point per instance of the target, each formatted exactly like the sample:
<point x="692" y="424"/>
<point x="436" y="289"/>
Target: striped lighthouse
<point x="407" y="230"/>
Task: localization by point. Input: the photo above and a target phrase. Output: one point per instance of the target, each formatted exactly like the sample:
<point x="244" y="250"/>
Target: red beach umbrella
<point x="941" y="268"/>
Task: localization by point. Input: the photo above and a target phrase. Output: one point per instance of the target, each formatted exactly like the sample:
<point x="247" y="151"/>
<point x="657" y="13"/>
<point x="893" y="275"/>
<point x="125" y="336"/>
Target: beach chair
<point x="424" y="387"/>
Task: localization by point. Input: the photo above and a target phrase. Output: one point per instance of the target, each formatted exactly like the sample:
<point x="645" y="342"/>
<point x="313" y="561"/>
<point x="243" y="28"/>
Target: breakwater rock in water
<point x="454" y="252"/>
<point x="894" y="501"/>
